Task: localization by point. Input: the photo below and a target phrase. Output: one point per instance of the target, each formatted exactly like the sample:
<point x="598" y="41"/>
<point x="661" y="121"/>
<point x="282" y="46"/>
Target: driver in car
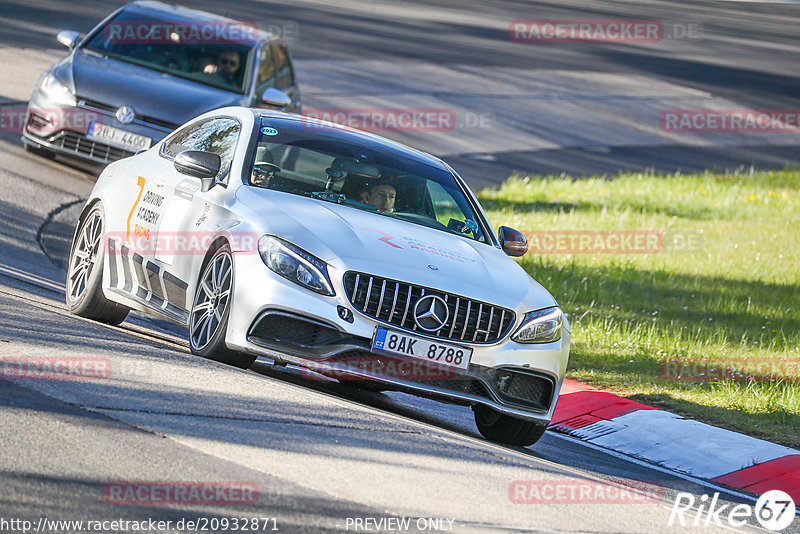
<point x="227" y="70"/>
<point x="260" y="177"/>
<point x="381" y="195"/>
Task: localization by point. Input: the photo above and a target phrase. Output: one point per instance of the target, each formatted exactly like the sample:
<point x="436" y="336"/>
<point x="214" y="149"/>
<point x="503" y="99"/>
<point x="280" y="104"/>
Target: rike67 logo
<point x="775" y="510"/>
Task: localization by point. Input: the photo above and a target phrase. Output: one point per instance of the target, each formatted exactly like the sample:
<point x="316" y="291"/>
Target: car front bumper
<point x="285" y="322"/>
<point x="62" y="129"/>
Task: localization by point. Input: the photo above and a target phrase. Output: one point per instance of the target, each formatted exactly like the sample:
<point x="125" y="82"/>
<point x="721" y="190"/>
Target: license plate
<point x="421" y="348"/>
<point x="117" y="137"/>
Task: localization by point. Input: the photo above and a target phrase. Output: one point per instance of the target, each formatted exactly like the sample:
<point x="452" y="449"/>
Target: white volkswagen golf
<point x="321" y="246"/>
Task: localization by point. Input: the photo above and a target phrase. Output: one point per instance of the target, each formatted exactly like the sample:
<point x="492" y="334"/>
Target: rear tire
<point x="502" y="428"/>
<point x="84" y="291"/>
<point x="208" y="320"/>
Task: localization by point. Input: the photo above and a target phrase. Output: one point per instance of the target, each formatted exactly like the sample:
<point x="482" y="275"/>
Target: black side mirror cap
<point x="514" y="242"/>
<point x="199" y="164"/>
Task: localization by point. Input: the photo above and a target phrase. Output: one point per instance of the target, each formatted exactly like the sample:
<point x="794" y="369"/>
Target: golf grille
<point x="80" y="144"/>
<point x="392" y="302"/>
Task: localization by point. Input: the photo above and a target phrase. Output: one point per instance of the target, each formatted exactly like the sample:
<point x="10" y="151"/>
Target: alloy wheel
<point x="85" y="254"/>
<point x="211" y="301"/>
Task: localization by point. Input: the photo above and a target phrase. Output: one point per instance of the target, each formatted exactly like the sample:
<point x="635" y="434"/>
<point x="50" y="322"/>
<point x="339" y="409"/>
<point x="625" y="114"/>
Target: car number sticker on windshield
<point x="266" y="130"/>
<point x="117" y="137"/>
<point x="421" y="348"/>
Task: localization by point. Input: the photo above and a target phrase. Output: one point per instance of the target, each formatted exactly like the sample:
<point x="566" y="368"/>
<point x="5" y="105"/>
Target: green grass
<point x="731" y="300"/>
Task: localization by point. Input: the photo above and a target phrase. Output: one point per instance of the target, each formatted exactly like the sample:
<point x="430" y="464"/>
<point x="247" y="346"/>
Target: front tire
<point x="84" y="291"/>
<point x="208" y="320"/>
<point x="502" y="428"/>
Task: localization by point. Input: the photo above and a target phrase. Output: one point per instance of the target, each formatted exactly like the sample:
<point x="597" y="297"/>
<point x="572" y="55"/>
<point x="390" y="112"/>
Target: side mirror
<point x="514" y="243"/>
<point x="68" y="38"/>
<point x="203" y="165"/>
<point x="275" y="98"/>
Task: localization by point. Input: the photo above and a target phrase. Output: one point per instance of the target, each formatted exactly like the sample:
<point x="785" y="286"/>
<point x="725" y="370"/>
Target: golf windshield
<point x="213" y="52"/>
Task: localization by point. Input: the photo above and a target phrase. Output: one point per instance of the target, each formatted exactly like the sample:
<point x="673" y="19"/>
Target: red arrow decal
<point x="386" y="237"/>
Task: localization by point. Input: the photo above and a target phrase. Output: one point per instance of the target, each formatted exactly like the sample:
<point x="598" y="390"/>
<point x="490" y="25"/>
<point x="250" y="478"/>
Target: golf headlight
<point x="542" y="326"/>
<point x="57" y="91"/>
<point x="295" y="264"/>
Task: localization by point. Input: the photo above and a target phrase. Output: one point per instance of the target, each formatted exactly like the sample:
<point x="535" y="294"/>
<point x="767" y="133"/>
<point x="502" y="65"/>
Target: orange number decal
<point x="140" y="183"/>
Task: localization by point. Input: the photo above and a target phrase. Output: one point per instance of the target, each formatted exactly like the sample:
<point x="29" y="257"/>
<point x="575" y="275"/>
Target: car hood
<point x="150" y="93"/>
<point x="351" y="239"/>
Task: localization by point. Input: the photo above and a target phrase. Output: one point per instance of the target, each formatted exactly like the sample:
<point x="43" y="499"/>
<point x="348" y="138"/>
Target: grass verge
<point x="702" y="320"/>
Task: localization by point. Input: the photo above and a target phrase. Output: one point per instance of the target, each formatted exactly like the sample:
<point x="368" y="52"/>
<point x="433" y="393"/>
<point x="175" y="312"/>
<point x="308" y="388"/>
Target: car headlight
<point x="295" y="264"/>
<point x="57" y="91"/>
<point x="542" y="326"/>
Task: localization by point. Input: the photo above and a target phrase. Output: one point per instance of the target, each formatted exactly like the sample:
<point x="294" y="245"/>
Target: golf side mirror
<point x="275" y="98"/>
<point x="68" y="38"/>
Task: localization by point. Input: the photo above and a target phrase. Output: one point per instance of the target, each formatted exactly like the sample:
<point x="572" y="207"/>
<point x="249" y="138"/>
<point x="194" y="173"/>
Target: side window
<point x="266" y="71"/>
<point x="449" y="213"/>
<point x="218" y="135"/>
<point x="283" y="66"/>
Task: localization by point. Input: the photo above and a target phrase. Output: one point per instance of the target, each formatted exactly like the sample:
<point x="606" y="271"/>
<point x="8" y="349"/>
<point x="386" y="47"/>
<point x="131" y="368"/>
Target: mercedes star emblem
<point x="431" y="313"/>
<point x="125" y="114"/>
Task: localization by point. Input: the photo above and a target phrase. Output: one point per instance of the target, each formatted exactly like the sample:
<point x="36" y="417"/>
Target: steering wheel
<point x="172" y="61"/>
<point x="267" y="168"/>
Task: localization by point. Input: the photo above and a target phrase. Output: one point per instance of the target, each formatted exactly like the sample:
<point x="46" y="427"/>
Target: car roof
<point x="354" y="136"/>
<point x="152" y="6"/>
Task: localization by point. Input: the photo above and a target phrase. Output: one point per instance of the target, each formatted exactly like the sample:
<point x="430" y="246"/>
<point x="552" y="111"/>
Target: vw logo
<point x="431" y="313"/>
<point x="125" y="114"/>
